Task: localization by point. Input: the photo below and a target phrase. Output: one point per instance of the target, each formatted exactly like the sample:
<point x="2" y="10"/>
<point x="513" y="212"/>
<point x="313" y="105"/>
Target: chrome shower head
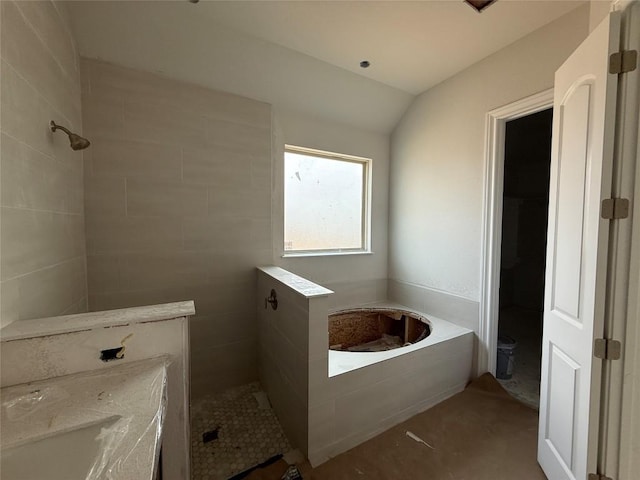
<point x="76" y="142"/>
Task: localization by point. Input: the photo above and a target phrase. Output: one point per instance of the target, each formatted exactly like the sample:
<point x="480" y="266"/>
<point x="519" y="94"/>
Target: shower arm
<point x="55" y="127"/>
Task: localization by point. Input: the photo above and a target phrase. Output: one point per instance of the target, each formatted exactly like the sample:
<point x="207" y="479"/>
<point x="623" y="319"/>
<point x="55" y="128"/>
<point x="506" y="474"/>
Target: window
<point x="326" y="202"/>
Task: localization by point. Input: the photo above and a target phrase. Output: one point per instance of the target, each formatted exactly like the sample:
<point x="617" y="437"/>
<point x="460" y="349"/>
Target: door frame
<point x="495" y="133"/>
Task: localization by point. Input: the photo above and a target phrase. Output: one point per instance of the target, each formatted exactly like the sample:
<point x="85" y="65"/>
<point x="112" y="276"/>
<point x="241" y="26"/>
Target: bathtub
<point x="440" y="331"/>
<point x="329" y="400"/>
<point x="366" y="393"/>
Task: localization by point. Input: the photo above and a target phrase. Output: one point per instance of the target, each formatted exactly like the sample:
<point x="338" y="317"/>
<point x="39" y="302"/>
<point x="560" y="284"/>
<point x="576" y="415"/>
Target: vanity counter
<point x="124" y="406"/>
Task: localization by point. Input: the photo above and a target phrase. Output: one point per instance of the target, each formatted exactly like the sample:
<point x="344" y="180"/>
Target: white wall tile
<point x="9" y="301"/>
<point x="102" y="117"/>
<point x="153" y="122"/>
<point x="104" y="273"/>
<point x="322" y="426"/>
<point x="26" y="115"/>
<point x="163" y="269"/>
<point x="225" y="327"/>
<point x="33" y="180"/>
<point x="48" y="21"/>
<point x="129" y="158"/>
<point x="284" y="357"/>
<point x="456" y="309"/>
<point x="113" y="300"/>
<point x="112" y="80"/>
<point x="154" y="198"/>
<point x="112" y="233"/>
<point x="240" y="203"/>
<point x="53" y="289"/>
<point x="194" y="226"/>
<point x="31" y="56"/>
<point x="35" y="239"/>
<point x="244" y="138"/>
<point x="222" y="167"/>
<point x="42" y="225"/>
<point x="106" y="196"/>
<point x="352" y="293"/>
<point x="223" y="367"/>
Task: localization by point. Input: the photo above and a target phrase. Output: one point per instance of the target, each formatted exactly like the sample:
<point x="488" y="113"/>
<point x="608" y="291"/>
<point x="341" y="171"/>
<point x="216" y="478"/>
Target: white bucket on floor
<point x="506" y="357"/>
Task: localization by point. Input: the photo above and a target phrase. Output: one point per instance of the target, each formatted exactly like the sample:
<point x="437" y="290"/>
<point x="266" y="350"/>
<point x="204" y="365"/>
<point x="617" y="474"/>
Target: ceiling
<point x="305" y="55"/>
<point x="412" y="45"/>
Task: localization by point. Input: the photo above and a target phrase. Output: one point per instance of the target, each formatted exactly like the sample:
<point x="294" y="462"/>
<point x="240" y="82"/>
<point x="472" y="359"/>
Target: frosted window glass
<point x="323" y="203"/>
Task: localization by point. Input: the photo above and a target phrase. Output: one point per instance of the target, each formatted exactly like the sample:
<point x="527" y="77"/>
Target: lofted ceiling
<point x="305" y="55"/>
<point x="412" y="45"/>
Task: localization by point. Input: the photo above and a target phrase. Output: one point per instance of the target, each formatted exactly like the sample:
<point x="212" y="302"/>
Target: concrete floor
<point x="525" y="327"/>
<point x="482" y="433"/>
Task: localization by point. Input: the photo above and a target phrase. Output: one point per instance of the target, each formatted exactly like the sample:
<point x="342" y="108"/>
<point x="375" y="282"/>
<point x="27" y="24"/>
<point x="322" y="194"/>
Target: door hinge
<point x="597" y="476"/>
<point x="607" y="349"/>
<point x="615" y="208"/>
<point x="623" y="61"/>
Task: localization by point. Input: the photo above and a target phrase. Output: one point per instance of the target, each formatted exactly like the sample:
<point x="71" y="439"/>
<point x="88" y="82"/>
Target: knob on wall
<point x="272" y="299"/>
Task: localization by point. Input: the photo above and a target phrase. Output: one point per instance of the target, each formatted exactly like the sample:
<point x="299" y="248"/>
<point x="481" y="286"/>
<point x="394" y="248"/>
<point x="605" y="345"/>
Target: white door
<point x="577" y="244"/>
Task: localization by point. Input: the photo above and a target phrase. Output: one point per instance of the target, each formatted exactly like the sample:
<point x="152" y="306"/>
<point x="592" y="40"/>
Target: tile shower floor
<point x="248" y="433"/>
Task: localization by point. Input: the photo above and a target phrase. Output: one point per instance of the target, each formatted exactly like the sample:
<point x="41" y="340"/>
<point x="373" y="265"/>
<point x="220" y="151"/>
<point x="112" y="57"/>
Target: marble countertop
<point x="41" y="327"/>
<point x="129" y="399"/>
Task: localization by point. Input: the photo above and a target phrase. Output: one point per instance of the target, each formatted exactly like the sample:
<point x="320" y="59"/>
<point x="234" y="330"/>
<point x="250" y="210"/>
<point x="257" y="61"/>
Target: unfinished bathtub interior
<point x="375" y="329"/>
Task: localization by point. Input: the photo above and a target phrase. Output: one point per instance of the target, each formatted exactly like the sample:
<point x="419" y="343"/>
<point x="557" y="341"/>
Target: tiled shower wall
<point x="178" y="207"/>
<point x="42" y="223"/>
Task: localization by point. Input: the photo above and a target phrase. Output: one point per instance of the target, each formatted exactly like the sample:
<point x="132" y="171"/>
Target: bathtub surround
<point x="324" y="416"/>
<point x="349" y="408"/>
<point x="178" y="205"/>
<point x="42" y="245"/>
<point x="454" y="308"/>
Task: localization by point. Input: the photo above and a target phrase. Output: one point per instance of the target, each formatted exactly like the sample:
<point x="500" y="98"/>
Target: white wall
<point x="42" y="217"/>
<point x="598" y="9"/>
<point x="353" y="278"/>
<point x="436" y="184"/>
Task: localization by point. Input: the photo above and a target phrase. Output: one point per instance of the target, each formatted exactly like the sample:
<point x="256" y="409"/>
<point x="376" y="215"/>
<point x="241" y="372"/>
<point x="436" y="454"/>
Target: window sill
<point x="325" y="254"/>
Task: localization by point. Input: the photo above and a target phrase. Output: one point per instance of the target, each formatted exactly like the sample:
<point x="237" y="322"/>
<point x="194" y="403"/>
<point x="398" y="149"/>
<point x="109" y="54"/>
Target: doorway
<point x="496" y="128"/>
<point x="525" y="200"/>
